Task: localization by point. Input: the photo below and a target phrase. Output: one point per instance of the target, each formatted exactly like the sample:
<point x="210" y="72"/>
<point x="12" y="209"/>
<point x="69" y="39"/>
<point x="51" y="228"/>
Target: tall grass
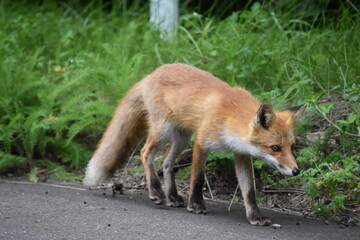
<point x="63" y="69"/>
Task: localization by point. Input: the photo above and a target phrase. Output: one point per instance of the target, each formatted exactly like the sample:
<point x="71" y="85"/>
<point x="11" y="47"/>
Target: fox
<point x="178" y="100"/>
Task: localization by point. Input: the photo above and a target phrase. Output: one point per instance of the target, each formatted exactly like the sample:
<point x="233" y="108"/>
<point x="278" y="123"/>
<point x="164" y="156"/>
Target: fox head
<point x="273" y="135"/>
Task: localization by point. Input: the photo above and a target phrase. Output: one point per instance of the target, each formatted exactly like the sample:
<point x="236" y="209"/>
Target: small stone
<point x="109" y="225"/>
<point x="298" y="223"/>
<point x="275" y="226"/>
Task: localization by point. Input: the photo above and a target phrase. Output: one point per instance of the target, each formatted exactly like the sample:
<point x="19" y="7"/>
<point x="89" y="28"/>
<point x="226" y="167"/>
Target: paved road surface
<point x="42" y="211"/>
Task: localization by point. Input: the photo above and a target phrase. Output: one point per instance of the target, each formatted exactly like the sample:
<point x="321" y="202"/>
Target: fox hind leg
<point x="179" y="141"/>
<point x="152" y="145"/>
<point x="245" y="175"/>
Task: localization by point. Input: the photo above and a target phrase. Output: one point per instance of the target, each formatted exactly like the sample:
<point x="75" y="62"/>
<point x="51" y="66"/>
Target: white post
<point x="164" y="14"/>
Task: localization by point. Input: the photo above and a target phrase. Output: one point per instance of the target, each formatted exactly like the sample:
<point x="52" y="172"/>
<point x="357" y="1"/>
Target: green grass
<point x="63" y="70"/>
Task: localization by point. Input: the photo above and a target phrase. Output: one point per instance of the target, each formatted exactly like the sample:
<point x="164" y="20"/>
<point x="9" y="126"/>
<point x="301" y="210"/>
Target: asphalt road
<point x="66" y="210"/>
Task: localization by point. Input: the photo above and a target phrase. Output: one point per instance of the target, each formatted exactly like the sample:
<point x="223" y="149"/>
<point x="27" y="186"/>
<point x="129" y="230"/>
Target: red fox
<point x="177" y="100"/>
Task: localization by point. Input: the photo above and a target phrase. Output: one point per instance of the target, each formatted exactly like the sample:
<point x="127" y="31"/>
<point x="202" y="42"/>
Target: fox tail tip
<point x="94" y="176"/>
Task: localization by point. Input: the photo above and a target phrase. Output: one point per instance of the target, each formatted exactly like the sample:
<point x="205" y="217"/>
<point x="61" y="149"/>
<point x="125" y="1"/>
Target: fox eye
<point x="276" y="148"/>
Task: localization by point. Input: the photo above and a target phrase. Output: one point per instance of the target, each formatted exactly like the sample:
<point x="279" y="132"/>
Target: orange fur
<point x="177" y="99"/>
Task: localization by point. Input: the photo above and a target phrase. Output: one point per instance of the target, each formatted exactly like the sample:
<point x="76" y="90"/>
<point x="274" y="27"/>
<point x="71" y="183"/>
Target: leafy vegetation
<point x="64" y="68"/>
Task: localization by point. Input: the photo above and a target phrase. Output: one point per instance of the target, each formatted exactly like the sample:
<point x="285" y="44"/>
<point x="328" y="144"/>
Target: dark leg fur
<point x="179" y="141"/>
<point x="147" y="157"/>
<point x="245" y="175"/>
<point x="156" y="193"/>
<point x="196" y="200"/>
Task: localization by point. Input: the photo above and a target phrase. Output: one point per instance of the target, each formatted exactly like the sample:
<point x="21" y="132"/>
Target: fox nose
<point x="295" y="171"/>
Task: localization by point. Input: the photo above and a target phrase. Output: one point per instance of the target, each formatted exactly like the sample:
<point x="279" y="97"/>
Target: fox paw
<point x="197" y="208"/>
<point x="157" y="196"/>
<point x="259" y="220"/>
<point x="175" y="201"/>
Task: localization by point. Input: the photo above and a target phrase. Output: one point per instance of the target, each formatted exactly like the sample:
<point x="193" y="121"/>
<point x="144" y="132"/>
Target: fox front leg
<point x="196" y="201"/>
<point x="245" y="175"/>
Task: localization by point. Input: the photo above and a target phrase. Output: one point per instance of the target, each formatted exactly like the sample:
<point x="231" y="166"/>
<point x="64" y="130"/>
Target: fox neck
<point x="238" y="144"/>
<point x="234" y="135"/>
<point x="241" y="145"/>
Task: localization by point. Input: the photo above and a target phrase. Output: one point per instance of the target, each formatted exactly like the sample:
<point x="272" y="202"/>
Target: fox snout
<point x="287" y="171"/>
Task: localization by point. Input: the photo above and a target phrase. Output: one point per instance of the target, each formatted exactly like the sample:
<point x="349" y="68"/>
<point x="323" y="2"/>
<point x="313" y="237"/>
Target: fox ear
<point x="298" y="112"/>
<point x="265" y="116"/>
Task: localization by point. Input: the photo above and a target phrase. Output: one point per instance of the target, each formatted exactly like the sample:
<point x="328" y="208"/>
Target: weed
<point x="183" y="174"/>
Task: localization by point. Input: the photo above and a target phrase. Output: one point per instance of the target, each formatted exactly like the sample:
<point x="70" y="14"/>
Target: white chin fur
<point x="239" y="145"/>
<point x="284" y="170"/>
<point x="93" y="175"/>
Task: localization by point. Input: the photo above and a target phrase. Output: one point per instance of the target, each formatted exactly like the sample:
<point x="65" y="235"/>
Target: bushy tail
<point x="123" y="132"/>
